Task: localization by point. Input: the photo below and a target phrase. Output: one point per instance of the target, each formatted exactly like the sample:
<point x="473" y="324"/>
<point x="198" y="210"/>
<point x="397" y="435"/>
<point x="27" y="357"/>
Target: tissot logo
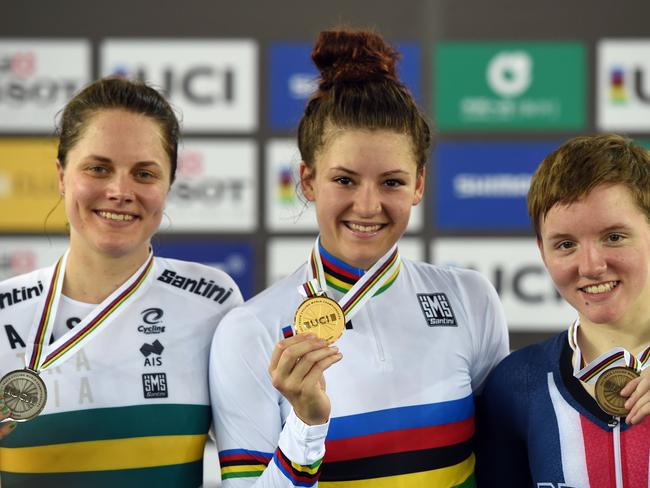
<point x="437" y="310"/>
<point x="154" y="385"/>
<point x="152" y="353"/>
<point x="17" y="86"/>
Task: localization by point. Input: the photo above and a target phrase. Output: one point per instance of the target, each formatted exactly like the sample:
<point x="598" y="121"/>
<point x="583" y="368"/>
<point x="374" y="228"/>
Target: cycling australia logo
<point x="152" y="318"/>
<point x="437" y="310"/>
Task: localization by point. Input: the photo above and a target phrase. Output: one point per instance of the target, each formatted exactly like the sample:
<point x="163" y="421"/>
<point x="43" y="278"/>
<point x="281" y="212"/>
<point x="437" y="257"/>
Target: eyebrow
<point x="386" y="173"/>
<point x="104" y="159"/>
<point x="611" y="228"/>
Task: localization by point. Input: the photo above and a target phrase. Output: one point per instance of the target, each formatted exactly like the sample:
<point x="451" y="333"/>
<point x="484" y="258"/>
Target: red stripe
<point x="635" y="451"/>
<point x="296" y="475"/>
<point x="599" y="453"/>
<point x="244" y="457"/>
<point x="370" y="283"/>
<point x="338" y="269"/>
<point x="399" y="441"/>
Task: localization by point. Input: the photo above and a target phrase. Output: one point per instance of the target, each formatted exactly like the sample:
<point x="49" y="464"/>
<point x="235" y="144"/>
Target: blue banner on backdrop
<point x="235" y="258"/>
<point x="483" y="186"/>
<point x="292" y="79"/>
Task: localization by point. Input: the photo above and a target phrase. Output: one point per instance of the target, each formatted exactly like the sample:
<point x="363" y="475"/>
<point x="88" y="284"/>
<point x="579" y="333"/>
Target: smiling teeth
<point x="602" y="288"/>
<point x="115" y="216"/>
<point x="365" y="228"/>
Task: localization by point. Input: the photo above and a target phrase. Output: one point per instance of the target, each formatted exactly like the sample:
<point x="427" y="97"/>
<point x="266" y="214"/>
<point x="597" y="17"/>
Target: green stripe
<point x="378" y="292"/>
<point x="177" y="476"/>
<point x="241" y="474"/>
<point x="468" y="483"/>
<point x="111" y="423"/>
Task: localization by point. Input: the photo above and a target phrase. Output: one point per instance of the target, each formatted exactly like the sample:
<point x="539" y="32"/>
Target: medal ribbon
<point x="362" y="291"/>
<point x="38" y="356"/>
<point x="618" y="356"/>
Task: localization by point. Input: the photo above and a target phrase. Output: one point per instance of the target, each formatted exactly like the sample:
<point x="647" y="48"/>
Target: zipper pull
<point x="614" y="421"/>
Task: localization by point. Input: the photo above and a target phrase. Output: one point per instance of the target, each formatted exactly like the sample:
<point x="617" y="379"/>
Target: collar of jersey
<point x="341" y="276"/>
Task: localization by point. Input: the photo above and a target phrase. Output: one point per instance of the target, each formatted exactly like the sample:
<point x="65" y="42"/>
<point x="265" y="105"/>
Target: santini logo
<point x="437" y="310"/>
<point x="154" y="385"/>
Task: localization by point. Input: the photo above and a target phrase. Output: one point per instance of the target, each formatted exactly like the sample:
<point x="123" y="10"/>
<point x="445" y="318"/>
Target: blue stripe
<point x="338" y="262"/>
<point x="278" y="463"/>
<point x="401" y="418"/>
<point x="230" y="452"/>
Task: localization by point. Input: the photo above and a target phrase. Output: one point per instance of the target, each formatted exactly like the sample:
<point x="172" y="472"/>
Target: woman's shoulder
<point x="451" y="276"/>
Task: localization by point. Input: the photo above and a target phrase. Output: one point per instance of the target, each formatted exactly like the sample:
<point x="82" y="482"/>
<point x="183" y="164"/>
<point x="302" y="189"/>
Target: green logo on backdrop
<point x="495" y="86"/>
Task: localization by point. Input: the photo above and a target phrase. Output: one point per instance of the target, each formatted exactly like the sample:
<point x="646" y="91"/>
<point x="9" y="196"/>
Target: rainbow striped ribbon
<point x="618" y="356"/>
<point x="39" y="356"/>
<point x="362" y="291"/>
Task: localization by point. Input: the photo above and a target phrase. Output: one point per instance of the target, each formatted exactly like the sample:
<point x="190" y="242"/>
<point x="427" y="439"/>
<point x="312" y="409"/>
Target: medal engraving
<point x="608" y="388"/>
<point x="320" y="316"/>
<point x="24" y="393"/>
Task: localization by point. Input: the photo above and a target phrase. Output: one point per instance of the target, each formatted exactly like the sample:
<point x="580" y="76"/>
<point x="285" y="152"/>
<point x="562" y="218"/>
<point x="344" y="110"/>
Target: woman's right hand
<point x="5" y="427"/>
<point x="296" y="370"/>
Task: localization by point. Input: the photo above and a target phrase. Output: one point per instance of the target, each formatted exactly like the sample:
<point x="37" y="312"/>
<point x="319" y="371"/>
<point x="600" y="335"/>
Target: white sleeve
<point x="491" y="341"/>
<point x="261" y="442"/>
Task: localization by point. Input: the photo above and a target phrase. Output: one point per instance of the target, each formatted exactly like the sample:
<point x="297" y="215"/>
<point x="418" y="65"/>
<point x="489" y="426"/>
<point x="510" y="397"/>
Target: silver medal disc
<point x="24" y="393"/>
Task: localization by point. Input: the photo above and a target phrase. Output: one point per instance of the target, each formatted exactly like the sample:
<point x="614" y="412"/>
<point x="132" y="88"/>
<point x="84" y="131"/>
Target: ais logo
<point x="152" y="352"/>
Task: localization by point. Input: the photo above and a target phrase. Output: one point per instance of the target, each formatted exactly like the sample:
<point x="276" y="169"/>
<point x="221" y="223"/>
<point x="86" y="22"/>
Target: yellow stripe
<point x="243" y="468"/>
<point x="440" y="478"/>
<point x="139" y="452"/>
<point x="305" y="469"/>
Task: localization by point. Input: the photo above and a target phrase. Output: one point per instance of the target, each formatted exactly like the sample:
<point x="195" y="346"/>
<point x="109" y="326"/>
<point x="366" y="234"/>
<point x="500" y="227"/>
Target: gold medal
<point x="320" y="316"/>
<point x="608" y="388"/>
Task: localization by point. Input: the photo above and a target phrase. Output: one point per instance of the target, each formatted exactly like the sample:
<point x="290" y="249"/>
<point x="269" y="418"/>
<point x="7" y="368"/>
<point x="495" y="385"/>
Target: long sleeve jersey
<point x="131" y="407"/>
<point x="540" y="428"/>
<point x="402" y="396"/>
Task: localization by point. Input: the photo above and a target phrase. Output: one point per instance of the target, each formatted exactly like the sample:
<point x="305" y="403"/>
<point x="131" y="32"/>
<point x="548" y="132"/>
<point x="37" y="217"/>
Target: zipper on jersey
<point x="375" y="333"/>
<point x="616" y="439"/>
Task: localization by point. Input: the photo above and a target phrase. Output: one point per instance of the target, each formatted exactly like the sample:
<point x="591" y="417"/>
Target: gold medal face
<point x="320" y="316"/>
<point x="24" y="393"/>
<point x="608" y="388"/>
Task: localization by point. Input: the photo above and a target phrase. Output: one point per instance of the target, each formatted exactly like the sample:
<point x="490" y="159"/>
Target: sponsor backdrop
<point x="503" y="82"/>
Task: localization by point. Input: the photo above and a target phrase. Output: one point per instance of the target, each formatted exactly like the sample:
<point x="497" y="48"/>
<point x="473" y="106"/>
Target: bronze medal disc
<point x="24" y="393"/>
<point x="608" y="388"/>
<point x="321" y="316"/>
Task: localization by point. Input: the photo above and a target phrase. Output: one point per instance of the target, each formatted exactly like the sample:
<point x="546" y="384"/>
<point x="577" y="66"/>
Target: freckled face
<point x="115" y="182"/>
<point x="597" y="251"/>
<point x="363" y="184"/>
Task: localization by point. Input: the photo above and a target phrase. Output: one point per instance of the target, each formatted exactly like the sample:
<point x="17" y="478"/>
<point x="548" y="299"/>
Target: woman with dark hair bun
<point x="100" y="355"/>
<point x="391" y="404"/>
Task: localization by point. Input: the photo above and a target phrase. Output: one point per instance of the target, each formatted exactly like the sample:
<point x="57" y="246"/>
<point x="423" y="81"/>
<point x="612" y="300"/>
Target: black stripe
<point x="296" y="473"/>
<point x="344" y="279"/>
<point x="223" y="464"/>
<point x="396" y="464"/>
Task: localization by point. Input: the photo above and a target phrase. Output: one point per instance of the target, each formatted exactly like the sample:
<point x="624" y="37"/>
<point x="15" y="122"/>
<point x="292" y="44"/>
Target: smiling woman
<point x="416" y="341"/>
<point x="116" y="406"/>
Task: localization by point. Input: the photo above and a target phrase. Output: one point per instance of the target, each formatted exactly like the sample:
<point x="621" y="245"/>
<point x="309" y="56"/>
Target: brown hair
<point x="359" y="89"/>
<point x="118" y="93"/>
<point x="579" y="165"/>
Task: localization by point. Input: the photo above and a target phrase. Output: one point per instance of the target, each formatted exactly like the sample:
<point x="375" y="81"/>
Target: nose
<point x="120" y="188"/>
<point x="592" y="262"/>
<point x="367" y="201"/>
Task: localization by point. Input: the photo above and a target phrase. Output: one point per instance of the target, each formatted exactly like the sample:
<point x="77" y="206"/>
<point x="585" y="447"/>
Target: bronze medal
<point x="24" y="393"/>
<point x="321" y="316"/>
<point x="608" y="388"/>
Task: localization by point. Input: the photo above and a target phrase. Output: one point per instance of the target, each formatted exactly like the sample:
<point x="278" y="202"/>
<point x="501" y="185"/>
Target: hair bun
<point x="353" y="56"/>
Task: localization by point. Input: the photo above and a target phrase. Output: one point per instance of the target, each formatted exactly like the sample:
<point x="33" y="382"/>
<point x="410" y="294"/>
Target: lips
<point x="115" y="216"/>
<point x="600" y="287"/>
<point x="364" y="228"/>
